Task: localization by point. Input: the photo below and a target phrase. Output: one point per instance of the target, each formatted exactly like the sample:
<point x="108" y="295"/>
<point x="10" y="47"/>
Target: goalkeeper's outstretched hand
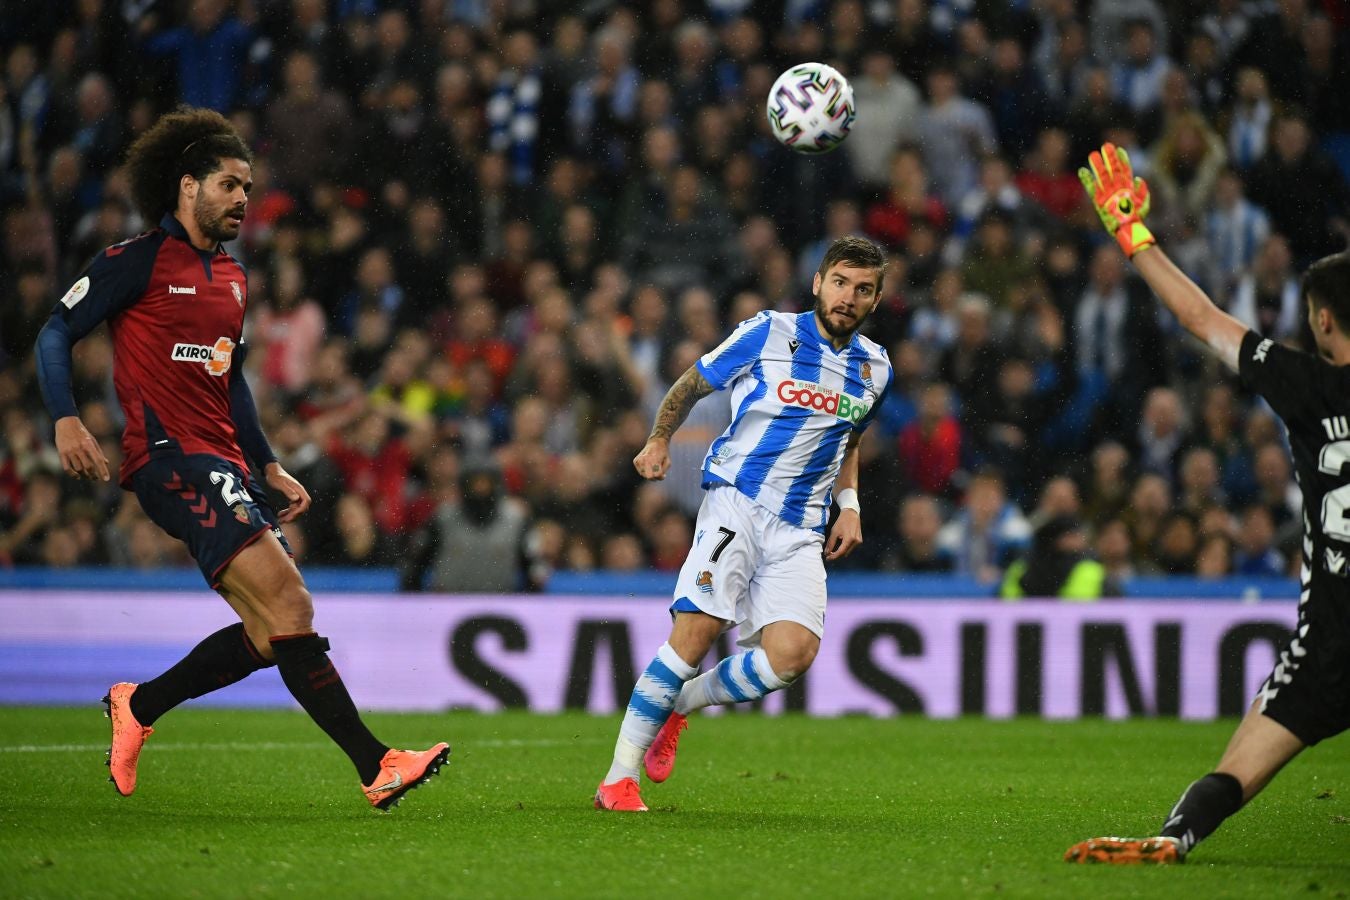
<point x="1121" y="198"/>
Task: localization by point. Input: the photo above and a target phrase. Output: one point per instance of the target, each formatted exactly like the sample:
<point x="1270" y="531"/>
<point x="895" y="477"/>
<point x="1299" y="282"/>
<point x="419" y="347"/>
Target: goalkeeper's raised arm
<point x="1122" y="202"/>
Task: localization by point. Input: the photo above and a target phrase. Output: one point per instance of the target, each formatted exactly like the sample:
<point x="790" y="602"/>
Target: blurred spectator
<point x="994" y="263"/>
<point x="1249" y="124"/>
<point x="1267" y="298"/>
<point x="1302" y="190"/>
<point x="1256" y="554"/>
<point x="1236" y="229"/>
<point x="889" y="108"/>
<point x="1214" y="558"/>
<point x="1177" y="544"/>
<point x="919" y="523"/>
<point x="930" y="446"/>
<point x="1015" y="96"/>
<point x="1162" y="434"/>
<point x="956" y="132"/>
<point x="358" y="541"/>
<point x="907" y="200"/>
<point x="1198" y="487"/>
<point x="1186" y="163"/>
<point x="1113" y="550"/>
<point x="1137" y="78"/>
<point x="309" y="125"/>
<point x="375" y="464"/>
<point x="290" y="329"/>
<point x="475" y="545"/>
<point x="987" y="532"/>
<point x="669" y="537"/>
<point x="524" y="110"/>
<point x="1118" y="340"/>
<point x="1048" y="178"/>
<point x="209" y="51"/>
<point x="1058" y="565"/>
<point x="1108" y="484"/>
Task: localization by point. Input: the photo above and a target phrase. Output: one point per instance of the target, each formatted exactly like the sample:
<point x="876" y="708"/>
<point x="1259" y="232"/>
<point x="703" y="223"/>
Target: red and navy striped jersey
<point x="176" y="315"/>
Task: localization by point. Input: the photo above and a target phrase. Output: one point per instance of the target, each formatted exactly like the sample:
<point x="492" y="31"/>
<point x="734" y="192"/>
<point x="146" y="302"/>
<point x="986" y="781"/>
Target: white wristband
<point x="848" y="499"/>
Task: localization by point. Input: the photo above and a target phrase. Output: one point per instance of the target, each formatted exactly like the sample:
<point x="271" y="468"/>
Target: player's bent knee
<point x="791" y="663"/>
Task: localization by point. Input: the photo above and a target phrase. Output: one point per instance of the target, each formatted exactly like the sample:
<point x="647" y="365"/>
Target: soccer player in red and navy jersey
<point x="174" y="301"/>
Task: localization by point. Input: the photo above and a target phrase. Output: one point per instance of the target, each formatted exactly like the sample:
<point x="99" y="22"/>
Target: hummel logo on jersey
<point x="216" y="358"/>
<point x="1259" y="355"/>
<point x="815" y="397"/>
<point x="793" y="345"/>
<point x="175" y="289"/>
<point x="1335" y="562"/>
<point x="392" y="785"/>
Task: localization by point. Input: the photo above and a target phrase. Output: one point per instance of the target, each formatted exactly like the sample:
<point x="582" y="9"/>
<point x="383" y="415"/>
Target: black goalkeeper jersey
<point x="1312" y="396"/>
<point x="1309" y="691"/>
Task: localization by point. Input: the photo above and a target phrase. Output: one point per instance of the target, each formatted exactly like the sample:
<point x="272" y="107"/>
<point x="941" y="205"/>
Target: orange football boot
<point x="128" y="736"/>
<point x="621" y="796"/>
<point x="403" y="770"/>
<point x="1127" y="851"/>
<point x="659" y="760"/>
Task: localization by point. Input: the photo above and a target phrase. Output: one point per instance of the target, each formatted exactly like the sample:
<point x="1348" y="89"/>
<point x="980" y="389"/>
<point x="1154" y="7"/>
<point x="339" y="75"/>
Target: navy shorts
<point x="208" y="503"/>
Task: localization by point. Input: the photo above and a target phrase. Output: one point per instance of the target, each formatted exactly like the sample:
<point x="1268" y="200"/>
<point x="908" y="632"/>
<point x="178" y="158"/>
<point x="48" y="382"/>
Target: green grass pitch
<point x="258" y="804"/>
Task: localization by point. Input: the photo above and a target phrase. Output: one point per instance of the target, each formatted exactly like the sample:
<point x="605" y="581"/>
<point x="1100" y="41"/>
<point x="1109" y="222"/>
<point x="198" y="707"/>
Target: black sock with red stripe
<point x="302" y="660"/>
<point x="218" y="661"/>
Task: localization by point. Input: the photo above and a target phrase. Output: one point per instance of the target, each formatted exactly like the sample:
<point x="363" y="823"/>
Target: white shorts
<point x="751" y="568"/>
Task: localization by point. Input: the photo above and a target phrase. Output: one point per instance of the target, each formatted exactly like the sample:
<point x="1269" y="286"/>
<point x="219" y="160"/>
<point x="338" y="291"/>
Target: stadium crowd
<point x="485" y="236"/>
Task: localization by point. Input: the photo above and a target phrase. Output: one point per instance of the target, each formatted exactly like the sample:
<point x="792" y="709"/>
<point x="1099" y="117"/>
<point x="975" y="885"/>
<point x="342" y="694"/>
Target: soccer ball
<point x="811" y="108"/>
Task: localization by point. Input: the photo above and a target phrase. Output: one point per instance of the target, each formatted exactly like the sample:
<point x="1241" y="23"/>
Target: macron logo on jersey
<point x="175" y="289"/>
<point x="215" y="358"/>
<point x="822" y="399"/>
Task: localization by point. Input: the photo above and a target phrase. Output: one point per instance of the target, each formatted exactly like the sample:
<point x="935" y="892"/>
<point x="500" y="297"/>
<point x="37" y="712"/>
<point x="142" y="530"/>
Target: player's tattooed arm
<point x="690" y="388"/>
<point x="654" y="460"/>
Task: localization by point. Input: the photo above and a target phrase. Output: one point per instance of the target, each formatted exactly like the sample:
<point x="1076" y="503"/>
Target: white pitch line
<point x="274" y="745"/>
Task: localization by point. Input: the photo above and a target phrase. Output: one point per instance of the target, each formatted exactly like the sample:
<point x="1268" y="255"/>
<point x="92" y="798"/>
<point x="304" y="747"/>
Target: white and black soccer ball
<point x="810" y="108"/>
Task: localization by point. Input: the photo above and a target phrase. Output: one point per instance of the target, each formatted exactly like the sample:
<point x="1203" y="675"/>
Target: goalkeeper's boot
<point x="128" y="736"/>
<point x="621" y="796"/>
<point x="403" y="770"/>
<point x="659" y="761"/>
<point x="1127" y="851"/>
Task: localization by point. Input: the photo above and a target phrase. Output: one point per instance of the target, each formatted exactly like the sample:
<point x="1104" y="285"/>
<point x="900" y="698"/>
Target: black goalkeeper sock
<point x="1203" y="808"/>
<point x="220" y="660"/>
<point x="311" y="678"/>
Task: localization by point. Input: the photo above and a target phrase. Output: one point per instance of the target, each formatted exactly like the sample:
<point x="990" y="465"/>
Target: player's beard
<point x="831" y="328"/>
<point x="213" y="223"/>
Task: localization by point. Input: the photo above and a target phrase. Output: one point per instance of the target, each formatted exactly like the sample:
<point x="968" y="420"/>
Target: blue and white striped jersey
<point x="794" y="401"/>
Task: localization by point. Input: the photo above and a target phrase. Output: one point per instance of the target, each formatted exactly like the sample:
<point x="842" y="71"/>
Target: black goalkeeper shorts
<point x="1308" y="692"/>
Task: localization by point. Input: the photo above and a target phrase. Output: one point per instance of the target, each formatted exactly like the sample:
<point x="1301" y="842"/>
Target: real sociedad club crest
<point x="238" y="293"/>
<point x="867" y="377"/>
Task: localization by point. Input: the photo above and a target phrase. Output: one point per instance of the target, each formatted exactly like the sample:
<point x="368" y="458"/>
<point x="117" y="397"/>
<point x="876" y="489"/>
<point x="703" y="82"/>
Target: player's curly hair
<point x="858" y="252"/>
<point x="187" y="141"/>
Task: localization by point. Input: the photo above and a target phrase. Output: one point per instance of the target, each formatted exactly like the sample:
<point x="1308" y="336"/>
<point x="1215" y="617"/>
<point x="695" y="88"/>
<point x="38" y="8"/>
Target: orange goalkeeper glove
<point x="1121" y="199"/>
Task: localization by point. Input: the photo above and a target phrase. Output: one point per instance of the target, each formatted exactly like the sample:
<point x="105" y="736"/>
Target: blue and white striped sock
<point x="648" y="708"/>
<point x="736" y="679"/>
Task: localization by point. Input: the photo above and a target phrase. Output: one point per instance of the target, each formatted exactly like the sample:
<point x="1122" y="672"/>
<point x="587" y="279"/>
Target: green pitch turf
<point x="249" y="804"/>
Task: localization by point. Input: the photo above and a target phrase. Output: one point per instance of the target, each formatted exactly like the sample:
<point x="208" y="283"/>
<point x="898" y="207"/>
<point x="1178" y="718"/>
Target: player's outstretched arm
<point x="653" y="461"/>
<point x="1122" y="202"/>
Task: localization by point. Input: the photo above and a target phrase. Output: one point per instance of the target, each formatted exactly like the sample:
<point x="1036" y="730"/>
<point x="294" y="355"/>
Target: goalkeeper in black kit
<point x="1306" y="699"/>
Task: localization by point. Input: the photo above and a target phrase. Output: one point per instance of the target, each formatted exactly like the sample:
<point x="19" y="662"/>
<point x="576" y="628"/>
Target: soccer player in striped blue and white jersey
<point x="803" y="387"/>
